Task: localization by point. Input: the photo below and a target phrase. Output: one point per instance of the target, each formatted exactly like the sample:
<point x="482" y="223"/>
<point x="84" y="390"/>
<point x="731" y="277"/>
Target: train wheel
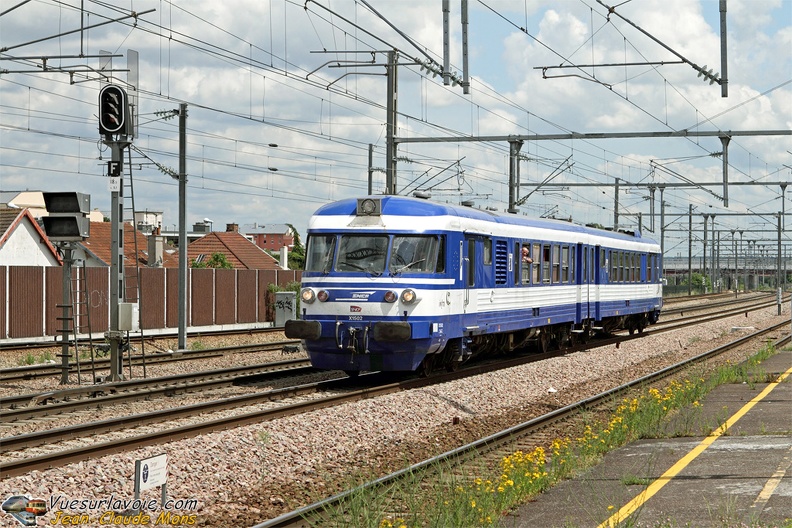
<point x="425" y="368"/>
<point x="565" y="339"/>
<point x="352" y="373"/>
<point x="544" y="342"/>
<point x="583" y="337"/>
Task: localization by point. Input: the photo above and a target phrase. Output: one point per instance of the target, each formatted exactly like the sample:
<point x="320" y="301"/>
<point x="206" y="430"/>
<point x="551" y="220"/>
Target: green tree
<point x="218" y="260"/>
<point x="700" y="283"/>
<point x="297" y="254"/>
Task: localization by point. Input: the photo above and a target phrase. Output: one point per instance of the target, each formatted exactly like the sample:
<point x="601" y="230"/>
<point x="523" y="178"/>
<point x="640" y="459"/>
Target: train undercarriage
<point x="537" y="340"/>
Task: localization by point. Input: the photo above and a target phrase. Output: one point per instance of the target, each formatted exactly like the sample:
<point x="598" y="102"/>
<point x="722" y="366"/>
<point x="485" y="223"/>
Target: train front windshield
<point x="370" y="254"/>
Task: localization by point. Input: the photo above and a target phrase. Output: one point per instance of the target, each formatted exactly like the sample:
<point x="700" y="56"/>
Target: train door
<point x="600" y="275"/>
<point x="583" y="280"/>
<point x="471" y="271"/>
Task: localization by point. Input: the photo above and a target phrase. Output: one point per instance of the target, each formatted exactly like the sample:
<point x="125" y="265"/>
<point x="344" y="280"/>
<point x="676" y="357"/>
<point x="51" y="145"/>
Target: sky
<point x="286" y="98"/>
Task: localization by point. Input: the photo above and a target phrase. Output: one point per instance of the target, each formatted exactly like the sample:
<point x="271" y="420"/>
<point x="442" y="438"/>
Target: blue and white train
<point x="403" y="284"/>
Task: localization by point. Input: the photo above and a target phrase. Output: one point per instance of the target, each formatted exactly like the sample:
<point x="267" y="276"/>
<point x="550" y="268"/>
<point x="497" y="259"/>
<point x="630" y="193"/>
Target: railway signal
<point x="67" y="219"/>
<point x="113" y="110"/>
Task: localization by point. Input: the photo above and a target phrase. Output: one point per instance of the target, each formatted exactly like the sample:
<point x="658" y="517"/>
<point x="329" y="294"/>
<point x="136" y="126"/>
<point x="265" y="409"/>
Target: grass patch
<point x="441" y="496"/>
<point x="31" y="359"/>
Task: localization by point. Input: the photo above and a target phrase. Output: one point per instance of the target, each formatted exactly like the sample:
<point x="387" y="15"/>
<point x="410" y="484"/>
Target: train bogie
<point x="394" y="283"/>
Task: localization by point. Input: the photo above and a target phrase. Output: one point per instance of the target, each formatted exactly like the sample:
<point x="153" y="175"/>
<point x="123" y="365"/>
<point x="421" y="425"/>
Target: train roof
<point x="396" y="206"/>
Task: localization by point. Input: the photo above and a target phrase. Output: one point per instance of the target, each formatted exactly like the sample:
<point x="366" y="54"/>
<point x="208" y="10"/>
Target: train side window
<point x="556" y="264"/>
<point x="572" y="258"/>
<point x="614" y="257"/>
<point x="525" y="262"/>
<point x="565" y="264"/>
<point x="614" y="276"/>
<point x="487" y="254"/>
<point x="622" y="266"/>
<point x="441" y="255"/>
<point x="584" y="275"/>
<point x="630" y="266"/>
<point x="649" y="266"/>
<point x="536" y="256"/>
<point x="546" y="263"/>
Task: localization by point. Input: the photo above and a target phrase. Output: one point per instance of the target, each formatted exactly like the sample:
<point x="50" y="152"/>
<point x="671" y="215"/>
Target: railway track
<point x="505" y="442"/>
<point x="715" y="304"/>
<point x="704" y="296"/>
<point x="741" y="306"/>
<point x="146" y="340"/>
<point x="27" y="406"/>
<point x="51" y="370"/>
<point x="98" y="447"/>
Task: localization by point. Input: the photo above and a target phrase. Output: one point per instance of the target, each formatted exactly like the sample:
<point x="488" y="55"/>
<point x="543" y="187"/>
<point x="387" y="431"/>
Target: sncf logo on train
<point x="355" y="309"/>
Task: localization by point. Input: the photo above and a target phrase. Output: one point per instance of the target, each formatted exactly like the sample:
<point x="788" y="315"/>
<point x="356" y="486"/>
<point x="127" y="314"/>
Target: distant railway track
<point x="714" y="303"/>
<point x="739" y="306"/>
<point x="56" y="344"/>
<point x="699" y="297"/>
<point x="99" y="448"/>
<point x="494" y="447"/>
<point x="86" y="368"/>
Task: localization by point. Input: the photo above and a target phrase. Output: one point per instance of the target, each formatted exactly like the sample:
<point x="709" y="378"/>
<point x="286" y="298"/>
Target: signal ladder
<point x="132" y="289"/>
<point x="77" y="314"/>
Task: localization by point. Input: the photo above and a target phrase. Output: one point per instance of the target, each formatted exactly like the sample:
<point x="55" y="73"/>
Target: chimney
<point x="284" y="257"/>
<point x="156" y="246"/>
<point x="232" y="228"/>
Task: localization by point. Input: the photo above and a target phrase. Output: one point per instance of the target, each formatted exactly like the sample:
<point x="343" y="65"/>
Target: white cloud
<point x="244" y="72"/>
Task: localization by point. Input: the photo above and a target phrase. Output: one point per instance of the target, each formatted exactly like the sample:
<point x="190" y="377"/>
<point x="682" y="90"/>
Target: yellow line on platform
<point x="683" y="462"/>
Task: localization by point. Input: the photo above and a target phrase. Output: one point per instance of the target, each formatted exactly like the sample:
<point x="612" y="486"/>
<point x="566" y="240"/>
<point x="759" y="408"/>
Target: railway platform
<point x="740" y="477"/>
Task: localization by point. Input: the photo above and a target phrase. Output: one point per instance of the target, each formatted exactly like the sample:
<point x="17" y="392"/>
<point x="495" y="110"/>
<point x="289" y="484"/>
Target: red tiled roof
<point x="99" y="244"/>
<point x="239" y="251"/>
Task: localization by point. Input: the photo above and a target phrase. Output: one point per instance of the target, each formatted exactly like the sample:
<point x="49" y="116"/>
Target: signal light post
<point x="116" y="127"/>
<point x="66" y="222"/>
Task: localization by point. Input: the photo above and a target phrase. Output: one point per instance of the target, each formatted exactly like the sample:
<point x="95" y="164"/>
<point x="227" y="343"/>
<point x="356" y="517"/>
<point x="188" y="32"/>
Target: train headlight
<point x="322" y="295"/>
<point x="390" y="296"/>
<point x="408" y="296"/>
<point x="307" y="295"/>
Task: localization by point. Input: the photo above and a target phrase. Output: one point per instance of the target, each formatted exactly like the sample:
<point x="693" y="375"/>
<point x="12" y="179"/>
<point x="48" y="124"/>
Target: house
<point x="23" y="242"/>
<point x="271" y="237"/>
<point x="239" y="251"/>
<point x="97" y="249"/>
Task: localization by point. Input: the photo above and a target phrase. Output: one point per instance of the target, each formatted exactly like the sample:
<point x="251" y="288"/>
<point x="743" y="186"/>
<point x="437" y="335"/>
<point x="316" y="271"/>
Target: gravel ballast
<point x="257" y="472"/>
